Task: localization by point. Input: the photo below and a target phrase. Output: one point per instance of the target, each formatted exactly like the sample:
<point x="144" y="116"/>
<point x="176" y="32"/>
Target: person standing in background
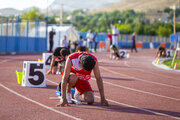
<point x="90" y="37"/>
<point x="115" y="35"/>
<point x="51" y="41"/>
<point x="109" y="36"/>
<point x="64" y="42"/>
<point x="95" y="41"/>
<point x="133" y="37"/>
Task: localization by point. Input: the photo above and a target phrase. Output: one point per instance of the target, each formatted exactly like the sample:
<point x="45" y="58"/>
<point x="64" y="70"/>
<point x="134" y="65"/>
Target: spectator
<point x="51" y="41"/>
<point x="115" y="35"/>
<point x="81" y="41"/>
<point x="81" y="46"/>
<point x="64" y="42"/>
<point x="133" y="38"/>
<point x="90" y="37"/>
<point x="109" y="36"/>
<point x="95" y="41"/>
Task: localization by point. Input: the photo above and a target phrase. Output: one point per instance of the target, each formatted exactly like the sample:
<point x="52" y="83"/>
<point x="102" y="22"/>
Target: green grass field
<point x="168" y="63"/>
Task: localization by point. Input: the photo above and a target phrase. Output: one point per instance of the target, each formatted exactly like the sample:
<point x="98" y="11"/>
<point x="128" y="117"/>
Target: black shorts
<point x="56" y="63"/>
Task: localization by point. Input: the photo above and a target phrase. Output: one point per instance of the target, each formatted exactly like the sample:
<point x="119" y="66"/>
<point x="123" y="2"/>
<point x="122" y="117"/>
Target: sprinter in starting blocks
<point x="58" y="57"/>
<point x="114" y="53"/>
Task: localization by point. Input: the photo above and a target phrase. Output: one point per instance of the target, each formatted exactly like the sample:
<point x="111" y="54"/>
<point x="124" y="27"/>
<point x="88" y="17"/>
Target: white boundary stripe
<point x="4" y="61"/>
<point x="138" y="108"/>
<point x="139" y="78"/>
<point x="42" y="105"/>
<point x="126" y="63"/>
<point x="142" y="109"/>
<point x="141" y="91"/>
<point x="132" y="89"/>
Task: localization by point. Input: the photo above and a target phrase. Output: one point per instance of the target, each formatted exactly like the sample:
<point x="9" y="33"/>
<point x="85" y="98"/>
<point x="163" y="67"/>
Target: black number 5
<point x="38" y="73"/>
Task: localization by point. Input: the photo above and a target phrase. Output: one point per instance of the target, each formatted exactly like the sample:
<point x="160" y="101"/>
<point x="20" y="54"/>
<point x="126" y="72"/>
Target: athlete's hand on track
<point x="62" y="103"/>
<point x="104" y="102"/>
<point x="49" y="72"/>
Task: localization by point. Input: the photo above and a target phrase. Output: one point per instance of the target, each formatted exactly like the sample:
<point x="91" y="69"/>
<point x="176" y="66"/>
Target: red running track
<point x="135" y="89"/>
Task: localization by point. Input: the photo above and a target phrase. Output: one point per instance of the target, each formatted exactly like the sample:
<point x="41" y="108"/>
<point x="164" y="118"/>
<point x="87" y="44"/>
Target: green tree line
<point x="127" y="21"/>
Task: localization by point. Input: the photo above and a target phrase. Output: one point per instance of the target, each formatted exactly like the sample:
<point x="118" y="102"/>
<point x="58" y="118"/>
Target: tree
<point x="139" y="29"/>
<point x="163" y="31"/>
<point x="149" y="30"/>
<point x="52" y="20"/>
<point x="125" y="28"/>
<point x="167" y="10"/>
<point x="32" y="15"/>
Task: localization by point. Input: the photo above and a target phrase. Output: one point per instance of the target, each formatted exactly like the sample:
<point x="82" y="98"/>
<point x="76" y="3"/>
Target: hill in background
<point x="9" y="11"/>
<point x="139" y="5"/>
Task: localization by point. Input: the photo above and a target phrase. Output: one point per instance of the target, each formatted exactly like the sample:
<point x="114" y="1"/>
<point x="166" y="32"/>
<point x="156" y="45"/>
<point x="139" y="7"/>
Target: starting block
<point x="58" y="93"/>
<point x="169" y="53"/>
<point x="47" y="57"/>
<point x="123" y="53"/>
<point x="33" y="74"/>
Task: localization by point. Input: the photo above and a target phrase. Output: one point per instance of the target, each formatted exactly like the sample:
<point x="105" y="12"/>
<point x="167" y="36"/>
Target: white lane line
<point x="126" y="63"/>
<point x="42" y="105"/>
<point x="136" y="90"/>
<point x="4" y="61"/>
<point x="139" y="78"/>
<point x="132" y="89"/>
<point x="138" y="108"/>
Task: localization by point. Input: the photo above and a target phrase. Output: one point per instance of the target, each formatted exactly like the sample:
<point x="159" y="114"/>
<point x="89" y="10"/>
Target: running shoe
<point x="77" y="97"/>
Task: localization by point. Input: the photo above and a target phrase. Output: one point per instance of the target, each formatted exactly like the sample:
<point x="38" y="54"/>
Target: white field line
<point x="165" y="76"/>
<point x="136" y="90"/>
<point x="3" y="61"/>
<point x="42" y="105"/>
<point x="138" y="108"/>
<point x="162" y="84"/>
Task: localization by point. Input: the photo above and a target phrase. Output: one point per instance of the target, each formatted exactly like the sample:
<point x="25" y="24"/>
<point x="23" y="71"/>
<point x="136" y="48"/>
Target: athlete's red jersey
<point x="77" y="68"/>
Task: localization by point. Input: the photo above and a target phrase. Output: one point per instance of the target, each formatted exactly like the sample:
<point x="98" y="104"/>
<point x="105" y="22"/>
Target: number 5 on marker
<point x="34" y="74"/>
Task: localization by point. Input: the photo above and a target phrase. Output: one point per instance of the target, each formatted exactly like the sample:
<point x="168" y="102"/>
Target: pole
<point x="174" y="29"/>
<point x="174" y="19"/>
<point x="175" y="51"/>
<point x="61" y="15"/>
<point x="47" y="9"/>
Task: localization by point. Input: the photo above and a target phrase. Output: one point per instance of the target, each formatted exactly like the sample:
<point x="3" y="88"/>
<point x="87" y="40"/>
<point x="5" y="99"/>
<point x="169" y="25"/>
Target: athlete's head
<point x="64" y="52"/>
<point x="87" y="62"/>
<point x="113" y="46"/>
<point x="82" y="48"/>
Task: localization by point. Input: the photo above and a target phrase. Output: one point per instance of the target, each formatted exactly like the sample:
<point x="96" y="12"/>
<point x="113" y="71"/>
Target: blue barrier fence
<point x="125" y="40"/>
<point x="31" y="37"/>
<point x="23" y="37"/>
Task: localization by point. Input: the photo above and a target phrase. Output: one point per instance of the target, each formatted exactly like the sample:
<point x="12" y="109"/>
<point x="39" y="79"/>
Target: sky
<point x="23" y="4"/>
<point x="42" y="4"/>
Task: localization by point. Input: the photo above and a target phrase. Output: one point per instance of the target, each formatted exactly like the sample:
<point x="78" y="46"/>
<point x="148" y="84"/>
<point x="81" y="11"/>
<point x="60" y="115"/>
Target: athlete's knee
<point x="89" y="97"/>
